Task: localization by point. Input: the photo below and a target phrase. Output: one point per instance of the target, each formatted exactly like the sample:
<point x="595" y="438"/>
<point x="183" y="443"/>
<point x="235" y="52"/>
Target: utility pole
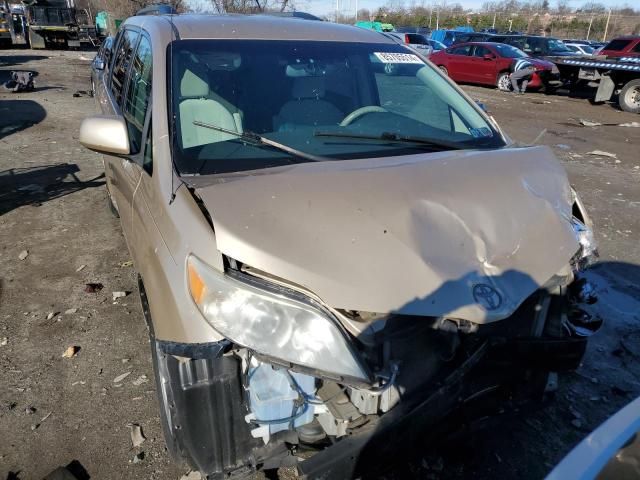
<point x="493" y="25"/>
<point x="604" y="37"/>
<point x="438" y="17"/>
<point x="589" y="29"/>
<point x="430" y="14"/>
<point x="356" y="11"/>
<point x="337" y="9"/>
<point x="510" y="23"/>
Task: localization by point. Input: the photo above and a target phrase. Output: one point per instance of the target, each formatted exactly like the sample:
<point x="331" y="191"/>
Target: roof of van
<point x="260" y="27"/>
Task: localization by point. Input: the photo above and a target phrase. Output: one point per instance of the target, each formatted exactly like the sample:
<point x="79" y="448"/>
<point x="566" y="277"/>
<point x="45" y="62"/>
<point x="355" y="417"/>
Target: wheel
<point x="629" y="97"/>
<point x="504" y="82"/>
<point x="444" y="70"/>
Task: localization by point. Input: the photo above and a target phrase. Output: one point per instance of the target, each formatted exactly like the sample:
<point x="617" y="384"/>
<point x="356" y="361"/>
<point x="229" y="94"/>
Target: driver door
<point x="484" y="66"/>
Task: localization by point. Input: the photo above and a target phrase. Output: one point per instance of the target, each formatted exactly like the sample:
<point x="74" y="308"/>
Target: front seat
<point x="197" y="102"/>
<point x="308" y="107"/>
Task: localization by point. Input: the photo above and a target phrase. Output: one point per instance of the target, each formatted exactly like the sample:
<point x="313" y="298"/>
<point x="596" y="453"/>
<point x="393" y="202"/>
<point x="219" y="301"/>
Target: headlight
<point x="271" y="323"/>
<point x="585" y="238"/>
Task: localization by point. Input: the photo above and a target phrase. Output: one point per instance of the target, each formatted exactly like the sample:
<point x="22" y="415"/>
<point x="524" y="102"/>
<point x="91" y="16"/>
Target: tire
<point x="173" y="447"/>
<point x="629" y="97"/>
<point x="444" y="70"/>
<point x="504" y="82"/>
<point x="112" y="205"/>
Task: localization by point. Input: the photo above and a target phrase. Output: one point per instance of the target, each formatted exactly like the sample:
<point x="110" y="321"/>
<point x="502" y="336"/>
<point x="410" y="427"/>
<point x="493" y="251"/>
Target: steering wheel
<point x="357" y="113"/>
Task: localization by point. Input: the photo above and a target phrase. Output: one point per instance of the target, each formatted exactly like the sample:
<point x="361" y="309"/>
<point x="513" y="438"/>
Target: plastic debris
<point x="630" y="124"/>
<point x="140" y="380"/>
<point x="23" y="254"/>
<point x="602" y="153"/>
<point x="71" y="351"/>
<point x="193" y="475"/>
<point x="3" y="341"/>
<point x="80" y="268"/>
<point x="137" y="437"/>
<point x="119" y="378"/>
<point x="138" y="458"/>
<point x="117" y="295"/>
<point x="589" y="123"/>
<point x="50" y="315"/>
<point x="70" y="311"/>
<point x="128" y="263"/>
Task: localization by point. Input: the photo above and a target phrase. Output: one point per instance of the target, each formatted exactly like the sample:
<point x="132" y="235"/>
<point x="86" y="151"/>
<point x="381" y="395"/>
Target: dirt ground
<point x="56" y="410"/>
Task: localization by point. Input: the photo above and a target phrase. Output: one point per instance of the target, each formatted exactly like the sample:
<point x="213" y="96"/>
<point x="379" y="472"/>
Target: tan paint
<point x="411" y="235"/>
<point x="322" y="225"/>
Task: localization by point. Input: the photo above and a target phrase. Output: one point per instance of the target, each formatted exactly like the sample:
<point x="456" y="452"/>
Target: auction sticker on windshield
<point x="387" y="57"/>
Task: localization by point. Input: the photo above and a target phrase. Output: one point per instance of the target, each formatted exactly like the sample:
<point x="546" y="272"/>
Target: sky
<point x="347" y="7"/>
<point x="328" y="7"/>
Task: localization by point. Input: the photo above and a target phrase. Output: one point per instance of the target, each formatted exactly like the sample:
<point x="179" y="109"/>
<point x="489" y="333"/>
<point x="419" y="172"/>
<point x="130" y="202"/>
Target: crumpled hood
<point x="463" y="234"/>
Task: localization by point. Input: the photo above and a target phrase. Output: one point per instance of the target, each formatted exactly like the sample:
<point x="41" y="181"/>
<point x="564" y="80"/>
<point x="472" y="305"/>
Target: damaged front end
<point x="361" y="324"/>
<point x="353" y="386"/>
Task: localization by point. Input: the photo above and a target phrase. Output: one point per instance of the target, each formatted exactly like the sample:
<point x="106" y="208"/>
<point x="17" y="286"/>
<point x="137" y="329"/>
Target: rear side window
<point x="637" y="47"/>
<point x="617" y="45"/>
<point x="121" y="63"/>
<point x="416" y="39"/>
<point x="138" y="93"/>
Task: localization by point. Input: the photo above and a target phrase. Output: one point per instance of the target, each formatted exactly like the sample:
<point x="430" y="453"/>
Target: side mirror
<point x="98" y="63"/>
<point x="105" y="134"/>
<point x="488" y="56"/>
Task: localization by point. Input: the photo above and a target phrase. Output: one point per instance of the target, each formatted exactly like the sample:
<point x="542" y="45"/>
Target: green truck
<point x="377" y="26"/>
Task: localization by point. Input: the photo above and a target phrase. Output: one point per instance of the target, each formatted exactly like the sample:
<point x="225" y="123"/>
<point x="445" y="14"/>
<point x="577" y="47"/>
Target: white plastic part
<point x="272" y="397"/>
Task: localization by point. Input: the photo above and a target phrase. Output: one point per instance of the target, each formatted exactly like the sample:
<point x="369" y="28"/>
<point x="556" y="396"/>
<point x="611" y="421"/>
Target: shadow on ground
<point x="17" y="115"/>
<point x="13" y="60"/>
<point x="36" y="185"/>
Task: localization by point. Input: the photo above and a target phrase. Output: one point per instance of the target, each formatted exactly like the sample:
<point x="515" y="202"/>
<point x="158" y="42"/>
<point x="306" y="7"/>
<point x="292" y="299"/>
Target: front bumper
<point x="481" y="386"/>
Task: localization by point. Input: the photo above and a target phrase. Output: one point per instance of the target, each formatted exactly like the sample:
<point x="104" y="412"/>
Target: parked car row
<point x="488" y="63"/>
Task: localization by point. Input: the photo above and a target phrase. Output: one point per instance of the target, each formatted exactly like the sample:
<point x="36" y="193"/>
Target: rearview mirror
<point x="99" y="64"/>
<point x="105" y="134"/>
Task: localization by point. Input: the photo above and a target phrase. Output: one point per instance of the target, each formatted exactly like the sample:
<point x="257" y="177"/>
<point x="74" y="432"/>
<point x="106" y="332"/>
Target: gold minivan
<point x="338" y="251"/>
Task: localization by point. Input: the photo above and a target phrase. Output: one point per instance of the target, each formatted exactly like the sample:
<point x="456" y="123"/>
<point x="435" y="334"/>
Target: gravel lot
<point x="55" y="410"/>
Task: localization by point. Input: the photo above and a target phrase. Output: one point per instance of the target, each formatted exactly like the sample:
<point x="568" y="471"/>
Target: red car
<point x="489" y="64"/>
<point x="622" y="47"/>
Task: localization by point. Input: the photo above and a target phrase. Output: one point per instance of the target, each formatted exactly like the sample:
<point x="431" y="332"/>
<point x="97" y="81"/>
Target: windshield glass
<point x="508" y="51"/>
<point x="557" y="46"/>
<point x="327" y="99"/>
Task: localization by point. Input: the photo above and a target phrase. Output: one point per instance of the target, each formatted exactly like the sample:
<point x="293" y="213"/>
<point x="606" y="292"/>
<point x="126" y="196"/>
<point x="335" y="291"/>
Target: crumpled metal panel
<point x="463" y="234"/>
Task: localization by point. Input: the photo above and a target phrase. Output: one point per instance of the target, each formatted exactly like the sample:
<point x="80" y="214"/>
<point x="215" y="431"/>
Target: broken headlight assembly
<point x="272" y="323"/>
<point x="584" y="234"/>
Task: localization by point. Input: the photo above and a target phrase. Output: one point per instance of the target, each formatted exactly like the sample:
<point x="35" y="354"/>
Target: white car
<point x="581" y="49"/>
<point x="416" y="41"/>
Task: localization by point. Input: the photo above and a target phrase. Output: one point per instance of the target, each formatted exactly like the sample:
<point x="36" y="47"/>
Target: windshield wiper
<point x="393" y="137"/>
<point x="258" y="140"/>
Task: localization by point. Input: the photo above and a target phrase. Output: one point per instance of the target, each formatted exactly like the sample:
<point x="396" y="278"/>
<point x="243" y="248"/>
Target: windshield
<point x="557" y="46"/>
<point x="329" y="100"/>
<point x="508" y="51"/>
